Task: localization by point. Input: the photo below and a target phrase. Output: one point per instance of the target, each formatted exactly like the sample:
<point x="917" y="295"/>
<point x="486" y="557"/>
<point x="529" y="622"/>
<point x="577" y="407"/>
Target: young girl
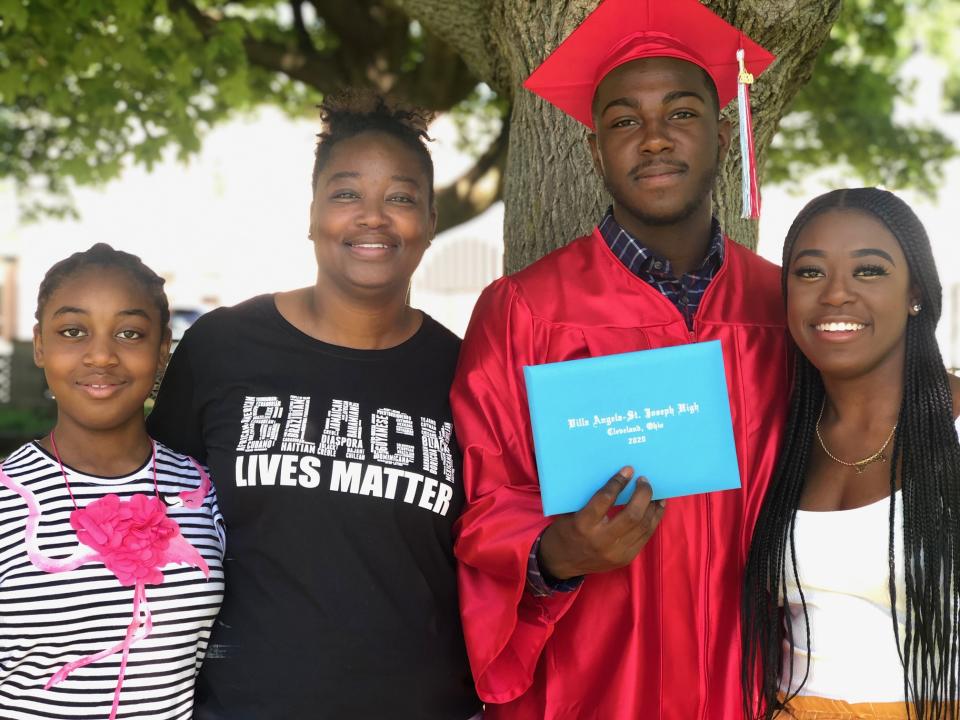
<point x="111" y="547"/>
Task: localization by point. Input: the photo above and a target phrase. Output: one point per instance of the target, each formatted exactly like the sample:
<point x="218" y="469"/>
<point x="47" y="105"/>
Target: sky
<point x="232" y="222"/>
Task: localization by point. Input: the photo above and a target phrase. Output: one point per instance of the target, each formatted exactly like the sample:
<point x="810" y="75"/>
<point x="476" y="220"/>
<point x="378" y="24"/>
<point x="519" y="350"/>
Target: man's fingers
<point x="638" y="535"/>
<point x="595" y="510"/>
<point x="632" y="513"/>
<point x="590" y="542"/>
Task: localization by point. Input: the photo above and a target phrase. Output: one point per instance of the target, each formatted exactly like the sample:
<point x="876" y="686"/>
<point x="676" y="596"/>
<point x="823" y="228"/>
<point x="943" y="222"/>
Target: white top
<point x="843" y="565"/>
<point x="48" y="619"/>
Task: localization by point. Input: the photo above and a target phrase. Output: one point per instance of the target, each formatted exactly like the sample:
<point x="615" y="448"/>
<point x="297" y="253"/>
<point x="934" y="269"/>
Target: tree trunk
<point x="551" y="193"/>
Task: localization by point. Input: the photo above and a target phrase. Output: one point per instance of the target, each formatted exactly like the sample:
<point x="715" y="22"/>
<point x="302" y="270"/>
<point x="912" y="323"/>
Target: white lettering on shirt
<point x="260" y="425"/>
<point x="435" y="443"/>
<point x="429" y="490"/>
<point x="343" y="412"/>
<point x="345" y="477"/>
<point x="379" y="437"/>
<point x="372" y="481"/>
<point x="442" y="505"/>
<point x="270" y="424"/>
<point x="392" y="475"/>
<point x="413" y="484"/>
<point x="310" y="466"/>
<point x="296" y="427"/>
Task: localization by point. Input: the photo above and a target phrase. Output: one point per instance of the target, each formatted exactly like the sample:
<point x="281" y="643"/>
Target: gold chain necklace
<point x="858" y="465"/>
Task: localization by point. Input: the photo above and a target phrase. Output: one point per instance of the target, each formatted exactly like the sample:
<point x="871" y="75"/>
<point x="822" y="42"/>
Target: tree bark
<point x="464" y="25"/>
<point x="551" y="192"/>
<point x="476" y="189"/>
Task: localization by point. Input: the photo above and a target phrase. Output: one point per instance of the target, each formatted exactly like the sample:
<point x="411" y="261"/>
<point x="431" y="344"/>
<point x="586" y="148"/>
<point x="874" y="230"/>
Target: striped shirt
<point x="48" y="619"/>
<point x="684" y="292"/>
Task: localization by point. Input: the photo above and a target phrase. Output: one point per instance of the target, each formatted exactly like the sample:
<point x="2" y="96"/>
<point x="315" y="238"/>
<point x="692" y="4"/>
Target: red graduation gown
<point x="660" y="638"/>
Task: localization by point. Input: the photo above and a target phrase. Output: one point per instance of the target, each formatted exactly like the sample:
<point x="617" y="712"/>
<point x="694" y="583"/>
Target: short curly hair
<point x="102" y="255"/>
<point x="351" y="112"/>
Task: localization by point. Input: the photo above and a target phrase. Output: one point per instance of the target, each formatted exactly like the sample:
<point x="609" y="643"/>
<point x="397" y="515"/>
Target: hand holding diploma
<point x="642" y="407"/>
<point x="589" y="541"/>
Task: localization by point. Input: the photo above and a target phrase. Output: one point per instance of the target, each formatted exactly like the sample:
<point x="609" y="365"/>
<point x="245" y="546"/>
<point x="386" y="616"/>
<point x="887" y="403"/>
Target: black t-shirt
<point x="339" y="477"/>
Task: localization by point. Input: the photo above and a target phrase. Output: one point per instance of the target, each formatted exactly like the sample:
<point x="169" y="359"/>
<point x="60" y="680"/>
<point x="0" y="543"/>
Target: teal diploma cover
<point x="664" y="411"/>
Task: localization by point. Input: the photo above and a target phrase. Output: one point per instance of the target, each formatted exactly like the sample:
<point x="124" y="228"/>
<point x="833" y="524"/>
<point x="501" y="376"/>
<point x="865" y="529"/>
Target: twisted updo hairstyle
<point x="351" y="112"/>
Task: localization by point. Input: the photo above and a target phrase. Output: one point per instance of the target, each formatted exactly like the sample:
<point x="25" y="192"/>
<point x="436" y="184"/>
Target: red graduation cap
<point x="619" y="31"/>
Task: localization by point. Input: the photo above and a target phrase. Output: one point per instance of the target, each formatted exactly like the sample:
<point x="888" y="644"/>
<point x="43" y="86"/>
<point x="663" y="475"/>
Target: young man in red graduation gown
<point x="631" y="613"/>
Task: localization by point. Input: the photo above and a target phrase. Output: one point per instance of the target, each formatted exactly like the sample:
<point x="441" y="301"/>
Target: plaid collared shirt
<point x="684" y="292"/>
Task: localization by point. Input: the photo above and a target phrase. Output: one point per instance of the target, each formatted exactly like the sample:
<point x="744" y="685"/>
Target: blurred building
<point x="8" y="324"/>
<point x="451" y="276"/>
<point x="22" y="384"/>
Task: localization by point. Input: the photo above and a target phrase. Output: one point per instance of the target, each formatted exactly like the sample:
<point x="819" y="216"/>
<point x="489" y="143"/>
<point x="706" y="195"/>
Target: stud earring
<point x="916" y="307"/>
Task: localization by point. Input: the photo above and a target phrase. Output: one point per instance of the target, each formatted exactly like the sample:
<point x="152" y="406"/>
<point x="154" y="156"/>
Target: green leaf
<point x="14" y="15"/>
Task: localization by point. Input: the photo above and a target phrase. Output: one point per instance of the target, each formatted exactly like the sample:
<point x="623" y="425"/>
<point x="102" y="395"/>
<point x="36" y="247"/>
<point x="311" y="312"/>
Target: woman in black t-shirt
<point x="323" y="416"/>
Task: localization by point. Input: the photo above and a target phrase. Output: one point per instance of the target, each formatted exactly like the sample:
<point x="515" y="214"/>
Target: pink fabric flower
<point x="132" y="537"/>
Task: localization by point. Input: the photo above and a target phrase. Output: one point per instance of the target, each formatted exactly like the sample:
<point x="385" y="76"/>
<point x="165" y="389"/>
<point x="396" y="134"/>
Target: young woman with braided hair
<point x="851" y="605"/>
<point x="324" y="417"/>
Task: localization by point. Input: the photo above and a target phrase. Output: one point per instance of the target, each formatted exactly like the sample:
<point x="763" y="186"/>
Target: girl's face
<point x="371" y="218"/>
<point x="849" y="295"/>
<point x="100" y="344"/>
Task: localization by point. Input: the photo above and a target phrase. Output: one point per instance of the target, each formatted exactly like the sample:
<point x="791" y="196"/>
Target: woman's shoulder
<point x="227" y="317"/>
<point x="436" y="345"/>
<point x="222" y="330"/>
<point x="440" y="333"/>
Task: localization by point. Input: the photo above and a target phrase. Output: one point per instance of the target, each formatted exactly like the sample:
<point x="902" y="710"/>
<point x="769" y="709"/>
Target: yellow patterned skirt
<point x="803" y="707"/>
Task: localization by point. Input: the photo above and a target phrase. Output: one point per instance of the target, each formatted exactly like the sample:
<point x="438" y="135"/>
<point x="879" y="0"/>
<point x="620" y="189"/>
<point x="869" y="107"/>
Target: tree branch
<point x="465" y="26"/>
<point x="311" y="68"/>
<point x="439" y="81"/>
<point x="478" y="188"/>
<point x="206" y="24"/>
<point x="303" y="36"/>
<point x="351" y="21"/>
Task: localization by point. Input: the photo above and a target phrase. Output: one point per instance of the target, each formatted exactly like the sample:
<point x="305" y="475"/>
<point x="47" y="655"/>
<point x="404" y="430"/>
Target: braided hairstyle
<point x="102" y="255"/>
<point x="927" y="453"/>
<point x="351" y="112"/>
